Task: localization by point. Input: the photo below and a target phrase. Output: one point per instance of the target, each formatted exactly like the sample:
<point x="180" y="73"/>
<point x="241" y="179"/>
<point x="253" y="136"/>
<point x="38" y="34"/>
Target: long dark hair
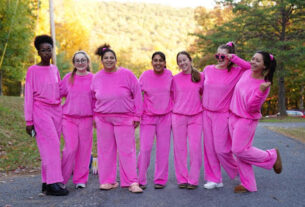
<point x="73" y="61"/>
<point x="195" y="74"/>
<point x="230" y="47"/>
<point x="270" y="65"/>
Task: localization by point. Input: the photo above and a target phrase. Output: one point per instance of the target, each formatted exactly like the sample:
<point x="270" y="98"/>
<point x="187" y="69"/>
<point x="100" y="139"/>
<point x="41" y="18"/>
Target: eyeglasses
<point x="81" y="61"/>
<point x="219" y="56"/>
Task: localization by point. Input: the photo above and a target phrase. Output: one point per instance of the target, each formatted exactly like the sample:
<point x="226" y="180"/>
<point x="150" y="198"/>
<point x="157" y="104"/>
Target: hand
<point x="136" y="124"/>
<point x="263" y="87"/>
<point x="29" y="129"/>
<point x="229" y="56"/>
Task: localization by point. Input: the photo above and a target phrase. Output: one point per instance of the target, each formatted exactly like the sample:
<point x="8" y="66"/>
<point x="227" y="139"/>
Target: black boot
<point x="57" y="189"/>
<point x="44" y="188"/>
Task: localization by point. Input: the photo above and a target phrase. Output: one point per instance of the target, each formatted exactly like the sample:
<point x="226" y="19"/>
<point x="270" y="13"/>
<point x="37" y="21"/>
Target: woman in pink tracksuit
<point x="156" y="120"/>
<point x="219" y="83"/>
<point x="187" y="122"/>
<point x="77" y="120"/>
<point x="118" y="109"/>
<point x="250" y="93"/>
<point x="43" y="113"/>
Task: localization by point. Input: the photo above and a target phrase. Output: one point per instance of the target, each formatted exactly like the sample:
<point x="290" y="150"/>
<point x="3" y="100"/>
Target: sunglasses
<point x="219" y="56"/>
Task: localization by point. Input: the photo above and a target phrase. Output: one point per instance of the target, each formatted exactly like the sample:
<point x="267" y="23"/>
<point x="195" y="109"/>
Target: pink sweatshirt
<point x="219" y="85"/>
<point x="187" y="94"/>
<point x="41" y="84"/>
<point x="247" y="98"/>
<point x="79" y="101"/>
<point x="117" y="93"/>
<point x="156" y="90"/>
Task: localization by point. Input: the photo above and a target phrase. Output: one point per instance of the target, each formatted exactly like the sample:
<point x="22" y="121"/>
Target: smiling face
<point x="80" y="62"/>
<point x="184" y="63"/>
<point x="158" y="64"/>
<point x="45" y="52"/>
<point x="257" y="63"/>
<point x="109" y="61"/>
<point x="222" y="58"/>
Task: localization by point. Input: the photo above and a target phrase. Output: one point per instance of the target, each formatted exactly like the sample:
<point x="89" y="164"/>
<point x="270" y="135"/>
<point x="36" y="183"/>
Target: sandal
<point x="135" y="188"/>
<point x="109" y="186"/>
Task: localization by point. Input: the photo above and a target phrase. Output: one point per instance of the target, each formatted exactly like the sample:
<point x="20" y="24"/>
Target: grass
<point x="296" y="133"/>
<point x="286" y="119"/>
<point x="18" y="151"/>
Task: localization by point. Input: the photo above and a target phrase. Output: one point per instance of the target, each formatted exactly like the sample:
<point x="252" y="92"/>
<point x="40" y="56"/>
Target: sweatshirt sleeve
<point x="63" y="86"/>
<point x="137" y="96"/>
<point x="256" y="100"/>
<point x="28" y="98"/>
<point x="245" y="65"/>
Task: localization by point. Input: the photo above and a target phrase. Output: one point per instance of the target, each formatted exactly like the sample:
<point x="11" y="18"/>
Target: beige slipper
<point x="135" y="188"/>
<point x="109" y="186"/>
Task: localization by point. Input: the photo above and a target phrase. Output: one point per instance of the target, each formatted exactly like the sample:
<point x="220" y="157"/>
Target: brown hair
<point x="101" y="50"/>
<point x="195" y="74"/>
<point x="73" y="61"/>
<point x="230" y="47"/>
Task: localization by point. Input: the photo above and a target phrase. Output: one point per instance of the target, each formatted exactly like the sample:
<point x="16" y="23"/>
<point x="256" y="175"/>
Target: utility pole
<point x="52" y="26"/>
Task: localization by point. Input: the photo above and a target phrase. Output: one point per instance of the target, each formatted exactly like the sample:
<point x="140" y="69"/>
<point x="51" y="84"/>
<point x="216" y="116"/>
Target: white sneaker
<point x="212" y="185"/>
<point x="80" y="185"/>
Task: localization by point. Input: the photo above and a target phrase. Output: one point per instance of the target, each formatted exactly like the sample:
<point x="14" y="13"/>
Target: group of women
<point x="222" y="103"/>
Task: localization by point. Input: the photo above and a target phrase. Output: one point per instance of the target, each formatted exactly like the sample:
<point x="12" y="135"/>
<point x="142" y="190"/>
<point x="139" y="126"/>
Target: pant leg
<point x="179" y="126"/>
<point x="47" y="125"/>
<point x="147" y="134"/>
<point x="223" y="143"/>
<point x="83" y="155"/>
<point x="243" y="131"/>
<point x="107" y="151"/>
<point x="125" y="139"/>
<point x="194" y="132"/>
<point x="212" y="170"/>
<point x="70" y="133"/>
<point x="162" y="149"/>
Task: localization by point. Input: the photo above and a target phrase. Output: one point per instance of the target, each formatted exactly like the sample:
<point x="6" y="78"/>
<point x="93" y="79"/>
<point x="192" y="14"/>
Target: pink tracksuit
<point x="77" y="127"/>
<point x="187" y="127"/>
<point x="156" y="120"/>
<point x="118" y="105"/>
<point x="245" y="107"/>
<point x="43" y="110"/>
<point x="217" y="92"/>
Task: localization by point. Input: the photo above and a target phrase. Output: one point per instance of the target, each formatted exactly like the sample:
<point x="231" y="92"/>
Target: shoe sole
<point x="216" y="186"/>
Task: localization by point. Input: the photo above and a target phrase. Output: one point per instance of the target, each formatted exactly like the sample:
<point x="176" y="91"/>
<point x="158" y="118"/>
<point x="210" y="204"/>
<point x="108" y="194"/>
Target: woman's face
<point x="257" y="63"/>
<point x="184" y="63"/>
<point x="222" y="57"/>
<point x="45" y="52"/>
<point x="109" y="61"/>
<point x="80" y="62"/>
<point x="158" y="64"/>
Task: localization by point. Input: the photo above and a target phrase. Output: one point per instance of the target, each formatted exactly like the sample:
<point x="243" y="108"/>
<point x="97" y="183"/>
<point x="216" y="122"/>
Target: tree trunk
<point x="302" y="99"/>
<point x="282" y="97"/>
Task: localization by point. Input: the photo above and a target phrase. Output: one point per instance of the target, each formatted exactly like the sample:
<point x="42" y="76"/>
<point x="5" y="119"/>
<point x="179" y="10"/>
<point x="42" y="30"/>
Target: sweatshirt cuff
<point x="29" y="123"/>
<point x="137" y="118"/>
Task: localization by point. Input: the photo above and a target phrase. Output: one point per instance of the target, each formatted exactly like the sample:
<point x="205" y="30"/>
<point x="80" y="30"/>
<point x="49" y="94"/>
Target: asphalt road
<point x="286" y="189"/>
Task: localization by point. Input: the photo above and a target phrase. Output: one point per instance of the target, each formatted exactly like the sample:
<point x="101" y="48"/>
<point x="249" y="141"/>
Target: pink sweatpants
<point x="47" y="123"/>
<point x="77" y="151"/>
<point x="151" y="126"/>
<point x="217" y="146"/>
<point x="116" y="134"/>
<point x="242" y="132"/>
<point x="187" y="131"/>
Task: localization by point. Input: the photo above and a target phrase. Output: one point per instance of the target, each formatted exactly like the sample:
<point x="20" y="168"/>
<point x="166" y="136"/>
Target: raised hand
<point x="263" y="87"/>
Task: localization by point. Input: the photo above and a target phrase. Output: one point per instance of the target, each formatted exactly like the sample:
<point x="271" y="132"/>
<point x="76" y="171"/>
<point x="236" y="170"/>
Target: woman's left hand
<point x="136" y="124"/>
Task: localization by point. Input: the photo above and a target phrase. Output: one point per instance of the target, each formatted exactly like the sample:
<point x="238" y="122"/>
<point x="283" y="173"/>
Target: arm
<point x="28" y="102"/>
<point x="258" y="97"/>
<point x="245" y="65"/>
<point x="63" y="89"/>
<point x="137" y="96"/>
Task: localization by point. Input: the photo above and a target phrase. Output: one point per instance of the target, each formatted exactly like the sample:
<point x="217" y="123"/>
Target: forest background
<point x="136" y="30"/>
